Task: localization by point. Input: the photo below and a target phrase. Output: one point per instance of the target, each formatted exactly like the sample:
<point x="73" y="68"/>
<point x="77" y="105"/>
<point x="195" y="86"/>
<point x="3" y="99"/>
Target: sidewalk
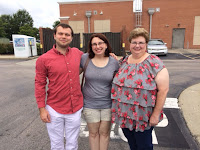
<point x="189" y="99"/>
<point x="189" y="102"/>
<point x="13" y="57"/>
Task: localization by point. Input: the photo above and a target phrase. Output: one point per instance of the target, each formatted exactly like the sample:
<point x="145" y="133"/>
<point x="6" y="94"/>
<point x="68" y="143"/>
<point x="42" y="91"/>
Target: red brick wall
<point x="172" y="13"/>
<point x="120" y="15"/>
<point x="122" y="19"/>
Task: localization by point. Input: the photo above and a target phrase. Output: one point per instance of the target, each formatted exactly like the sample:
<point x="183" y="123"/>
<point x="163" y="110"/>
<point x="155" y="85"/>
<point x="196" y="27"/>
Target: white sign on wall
<point x="137" y="6"/>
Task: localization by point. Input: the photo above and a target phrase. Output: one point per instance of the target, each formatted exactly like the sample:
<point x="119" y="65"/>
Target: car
<point x="157" y="47"/>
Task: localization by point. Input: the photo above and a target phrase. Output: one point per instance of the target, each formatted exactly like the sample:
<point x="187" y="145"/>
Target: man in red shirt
<point x="62" y="110"/>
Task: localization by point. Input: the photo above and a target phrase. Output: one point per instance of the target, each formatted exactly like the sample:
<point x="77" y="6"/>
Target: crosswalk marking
<point x="171" y="103"/>
<point x="154" y="138"/>
<point x="116" y="132"/>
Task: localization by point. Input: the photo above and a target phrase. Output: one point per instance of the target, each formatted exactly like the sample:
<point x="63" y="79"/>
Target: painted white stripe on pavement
<point x="116" y="132"/>
<point x="154" y="138"/>
<point x="171" y="103"/>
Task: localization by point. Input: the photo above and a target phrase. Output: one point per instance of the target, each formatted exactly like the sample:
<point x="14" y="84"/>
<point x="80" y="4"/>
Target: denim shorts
<point x="96" y="115"/>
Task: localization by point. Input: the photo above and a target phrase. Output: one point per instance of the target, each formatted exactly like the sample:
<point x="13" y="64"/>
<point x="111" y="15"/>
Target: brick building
<point x="177" y="22"/>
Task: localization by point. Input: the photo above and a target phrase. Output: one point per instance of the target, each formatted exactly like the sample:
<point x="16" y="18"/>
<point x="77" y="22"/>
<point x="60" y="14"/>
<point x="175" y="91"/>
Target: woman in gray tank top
<point x="97" y="90"/>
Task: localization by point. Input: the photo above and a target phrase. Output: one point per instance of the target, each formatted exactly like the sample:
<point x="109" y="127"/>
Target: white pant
<point x="68" y="124"/>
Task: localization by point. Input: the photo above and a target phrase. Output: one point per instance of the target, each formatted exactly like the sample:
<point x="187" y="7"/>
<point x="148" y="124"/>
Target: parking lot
<point x="22" y="129"/>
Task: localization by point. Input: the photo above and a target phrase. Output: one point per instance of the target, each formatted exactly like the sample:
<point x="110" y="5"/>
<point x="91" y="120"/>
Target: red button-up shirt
<point x="64" y="91"/>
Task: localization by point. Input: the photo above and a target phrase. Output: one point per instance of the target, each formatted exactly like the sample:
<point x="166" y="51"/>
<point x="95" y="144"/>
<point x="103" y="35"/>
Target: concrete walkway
<point x="13" y="57"/>
<point x="189" y="102"/>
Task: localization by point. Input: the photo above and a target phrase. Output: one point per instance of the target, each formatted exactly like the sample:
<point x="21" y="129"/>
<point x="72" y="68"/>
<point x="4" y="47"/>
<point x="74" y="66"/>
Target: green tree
<point x="12" y="23"/>
<point x="30" y="31"/>
<point x="7" y="23"/>
<point x="20" y="19"/>
<point x="36" y="33"/>
<point x="56" y="23"/>
<point x="2" y="29"/>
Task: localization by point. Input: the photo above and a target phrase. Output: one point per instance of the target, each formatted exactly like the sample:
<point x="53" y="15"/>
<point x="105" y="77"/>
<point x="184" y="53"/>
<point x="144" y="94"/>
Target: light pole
<point x="88" y="15"/>
<point x="151" y="12"/>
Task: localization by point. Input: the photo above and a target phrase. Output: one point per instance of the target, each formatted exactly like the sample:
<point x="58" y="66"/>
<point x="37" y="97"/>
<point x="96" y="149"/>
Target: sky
<point x="43" y="12"/>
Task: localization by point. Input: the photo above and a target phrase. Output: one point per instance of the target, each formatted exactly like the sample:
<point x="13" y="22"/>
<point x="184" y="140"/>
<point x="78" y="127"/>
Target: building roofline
<point x="92" y="1"/>
<point x="64" y="18"/>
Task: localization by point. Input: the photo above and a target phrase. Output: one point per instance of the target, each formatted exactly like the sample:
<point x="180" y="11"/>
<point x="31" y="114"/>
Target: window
<point x="101" y="26"/>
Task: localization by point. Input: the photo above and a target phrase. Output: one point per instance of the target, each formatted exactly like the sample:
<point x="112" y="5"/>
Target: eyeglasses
<point x="139" y="43"/>
<point x="95" y="44"/>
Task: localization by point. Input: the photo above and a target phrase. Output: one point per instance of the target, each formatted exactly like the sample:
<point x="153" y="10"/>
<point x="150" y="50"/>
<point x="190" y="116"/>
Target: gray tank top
<point x="97" y="87"/>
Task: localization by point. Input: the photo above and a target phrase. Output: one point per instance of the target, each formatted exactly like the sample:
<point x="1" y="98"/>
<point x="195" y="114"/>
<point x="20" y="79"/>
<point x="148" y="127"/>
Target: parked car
<point x="157" y="47"/>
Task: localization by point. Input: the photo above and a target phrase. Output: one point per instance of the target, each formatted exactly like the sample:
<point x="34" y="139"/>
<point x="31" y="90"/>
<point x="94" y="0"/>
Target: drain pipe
<point x="151" y="12"/>
<point x="88" y="15"/>
<point x="88" y="24"/>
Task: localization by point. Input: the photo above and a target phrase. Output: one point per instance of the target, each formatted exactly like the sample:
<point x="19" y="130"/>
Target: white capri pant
<point x="68" y="124"/>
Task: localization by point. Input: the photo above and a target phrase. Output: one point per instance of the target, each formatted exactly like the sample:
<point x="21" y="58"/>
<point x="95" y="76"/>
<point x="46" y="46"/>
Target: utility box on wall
<point x="24" y="46"/>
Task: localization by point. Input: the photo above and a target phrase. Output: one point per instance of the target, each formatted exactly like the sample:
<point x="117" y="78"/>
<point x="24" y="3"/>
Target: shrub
<point x="6" y="49"/>
<point x="4" y="41"/>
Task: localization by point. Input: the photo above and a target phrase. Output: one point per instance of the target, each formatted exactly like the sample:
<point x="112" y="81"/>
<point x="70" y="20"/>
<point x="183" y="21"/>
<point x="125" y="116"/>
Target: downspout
<point x="151" y="12"/>
<point x="88" y="15"/>
<point x="150" y="24"/>
<point x="88" y="24"/>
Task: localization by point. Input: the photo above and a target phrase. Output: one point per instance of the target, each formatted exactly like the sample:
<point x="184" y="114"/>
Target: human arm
<point x="82" y="63"/>
<point x="113" y="55"/>
<point x="40" y="88"/>
<point x="162" y="81"/>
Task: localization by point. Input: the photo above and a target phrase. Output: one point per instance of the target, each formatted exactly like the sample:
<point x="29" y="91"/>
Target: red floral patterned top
<point x="134" y="93"/>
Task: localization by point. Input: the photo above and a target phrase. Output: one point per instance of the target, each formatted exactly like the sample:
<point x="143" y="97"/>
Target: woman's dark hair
<point x="63" y="25"/>
<point x="102" y="37"/>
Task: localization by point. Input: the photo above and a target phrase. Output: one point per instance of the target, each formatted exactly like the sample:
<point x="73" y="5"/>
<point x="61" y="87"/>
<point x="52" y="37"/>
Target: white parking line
<point x="187" y="56"/>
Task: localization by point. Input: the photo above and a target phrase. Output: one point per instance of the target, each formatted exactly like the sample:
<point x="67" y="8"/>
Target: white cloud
<point x="43" y="12"/>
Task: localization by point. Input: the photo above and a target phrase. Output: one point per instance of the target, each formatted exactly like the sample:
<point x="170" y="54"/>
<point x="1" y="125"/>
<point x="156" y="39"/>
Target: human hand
<point x="44" y="115"/>
<point x="154" y="120"/>
<point x="113" y="55"/>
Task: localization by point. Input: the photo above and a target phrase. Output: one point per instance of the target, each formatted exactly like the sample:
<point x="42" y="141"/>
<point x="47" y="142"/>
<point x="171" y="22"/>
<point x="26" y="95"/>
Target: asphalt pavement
<point x="189" y="99"/>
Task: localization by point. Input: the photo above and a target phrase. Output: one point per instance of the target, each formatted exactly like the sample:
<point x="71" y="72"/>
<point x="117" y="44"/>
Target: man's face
<point x="63" y="37"/>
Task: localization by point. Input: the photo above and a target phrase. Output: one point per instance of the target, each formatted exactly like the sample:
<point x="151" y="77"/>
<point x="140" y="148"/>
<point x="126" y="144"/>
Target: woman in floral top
<point x="139" y="91"/>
